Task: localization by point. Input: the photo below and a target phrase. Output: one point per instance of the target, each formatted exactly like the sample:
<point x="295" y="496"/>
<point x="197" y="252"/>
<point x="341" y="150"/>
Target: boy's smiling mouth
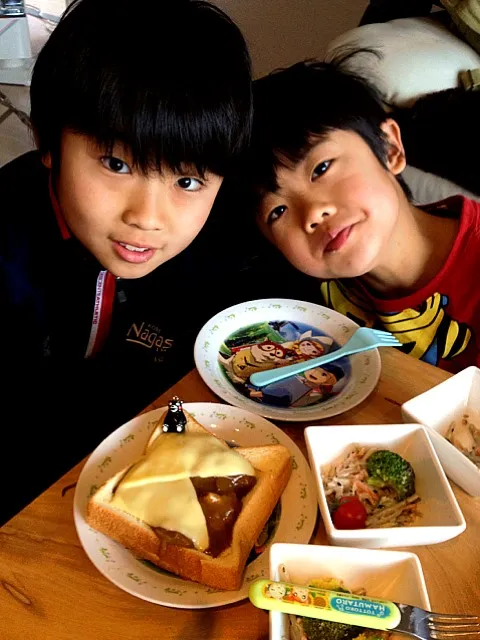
<point x="337" y="239"/>
<point x="130" y="247"/>
<point x="133" y="253"/>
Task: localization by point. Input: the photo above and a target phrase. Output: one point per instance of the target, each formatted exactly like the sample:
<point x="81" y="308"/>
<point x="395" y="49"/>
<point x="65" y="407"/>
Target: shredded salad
<point x="465" y="436"/>
<point x="381" y="480"/>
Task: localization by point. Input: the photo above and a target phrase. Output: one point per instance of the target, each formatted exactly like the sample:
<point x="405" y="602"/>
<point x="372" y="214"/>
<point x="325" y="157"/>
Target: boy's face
<point x="130" y="222"/>
<point x="335" y="213"/>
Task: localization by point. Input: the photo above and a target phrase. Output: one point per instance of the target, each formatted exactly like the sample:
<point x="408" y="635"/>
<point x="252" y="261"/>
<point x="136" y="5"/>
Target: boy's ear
<point x="46" y="157"/>
<point x="47" y="160"/>
<point x="396" y="161"/>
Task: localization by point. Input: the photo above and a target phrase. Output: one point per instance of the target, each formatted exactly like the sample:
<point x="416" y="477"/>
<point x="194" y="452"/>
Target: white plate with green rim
<point x="264" y="334"/>
<point x="292" y="521"/>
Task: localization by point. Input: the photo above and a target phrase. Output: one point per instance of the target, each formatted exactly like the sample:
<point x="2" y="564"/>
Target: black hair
<point x="170" y="80"/>
<point x="296" y="107"/>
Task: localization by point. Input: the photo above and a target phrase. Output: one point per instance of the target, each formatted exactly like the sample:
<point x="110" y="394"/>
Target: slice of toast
<point x="273" y="465"/>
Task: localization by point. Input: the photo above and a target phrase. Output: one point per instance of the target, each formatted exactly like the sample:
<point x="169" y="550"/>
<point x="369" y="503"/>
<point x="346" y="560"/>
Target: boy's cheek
<point x="265" y="229"/>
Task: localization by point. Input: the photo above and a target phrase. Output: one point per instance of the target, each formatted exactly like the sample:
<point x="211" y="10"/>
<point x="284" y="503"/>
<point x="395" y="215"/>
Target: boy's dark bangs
<point x="160" y="134"/>
<point x="290" y="151"/>
<point x="283" y="153"/>
<point x="176" y="94"/>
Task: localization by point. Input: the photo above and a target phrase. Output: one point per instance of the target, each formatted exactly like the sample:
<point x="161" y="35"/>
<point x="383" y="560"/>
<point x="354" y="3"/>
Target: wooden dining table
<point x="51" y="591"/>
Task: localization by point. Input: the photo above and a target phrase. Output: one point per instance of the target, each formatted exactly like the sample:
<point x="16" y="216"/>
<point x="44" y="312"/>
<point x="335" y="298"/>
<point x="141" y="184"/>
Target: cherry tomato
<point x="350" y="514"/>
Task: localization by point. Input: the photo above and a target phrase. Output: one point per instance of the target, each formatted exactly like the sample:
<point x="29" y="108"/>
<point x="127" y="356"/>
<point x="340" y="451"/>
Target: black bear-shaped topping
<point x="175" y="420"/>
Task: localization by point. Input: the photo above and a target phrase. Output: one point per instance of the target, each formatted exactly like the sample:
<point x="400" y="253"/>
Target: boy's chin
<point x="131" y="271"/>
<point x="129" y="275"/>
<point x="341" y="273"/>
<point x="352" y="267"/>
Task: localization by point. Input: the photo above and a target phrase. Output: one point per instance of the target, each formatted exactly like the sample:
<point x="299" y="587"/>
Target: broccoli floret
<point x="324" y="630"/>
<point x="388" y="469"/>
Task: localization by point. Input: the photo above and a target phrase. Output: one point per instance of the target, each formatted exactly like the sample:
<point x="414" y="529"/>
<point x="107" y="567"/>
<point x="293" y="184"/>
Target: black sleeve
<point x="53" y="411"/>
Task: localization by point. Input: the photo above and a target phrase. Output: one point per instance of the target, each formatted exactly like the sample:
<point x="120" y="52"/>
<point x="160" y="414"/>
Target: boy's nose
<point x="315" y="214"/>
<point x="146" y="210"/>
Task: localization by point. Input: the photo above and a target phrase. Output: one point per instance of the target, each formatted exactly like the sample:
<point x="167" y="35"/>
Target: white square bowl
<point x="437" y="408"/>
<point x="392" y="575"/>
<point x="441" y="517"/>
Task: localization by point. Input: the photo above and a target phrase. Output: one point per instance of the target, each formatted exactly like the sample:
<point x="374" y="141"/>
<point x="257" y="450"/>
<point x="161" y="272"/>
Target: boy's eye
<point x="321" y="168"/>
<point x="276" y="213"/>
<point x="190" y="184"/>
<point x="115" y="164"/>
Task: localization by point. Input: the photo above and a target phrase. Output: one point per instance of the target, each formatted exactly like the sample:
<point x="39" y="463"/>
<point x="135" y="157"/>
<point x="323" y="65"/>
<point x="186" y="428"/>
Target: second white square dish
<point x="452" y="401"/>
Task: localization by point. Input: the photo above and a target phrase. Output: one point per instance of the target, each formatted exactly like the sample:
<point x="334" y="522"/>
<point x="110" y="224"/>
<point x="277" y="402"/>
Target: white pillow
<point x="418" y="56"/>
<point x="427" y="187"/>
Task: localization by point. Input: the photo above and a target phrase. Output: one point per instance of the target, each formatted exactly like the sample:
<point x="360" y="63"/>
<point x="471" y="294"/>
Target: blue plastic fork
<point x="362" y="340"/>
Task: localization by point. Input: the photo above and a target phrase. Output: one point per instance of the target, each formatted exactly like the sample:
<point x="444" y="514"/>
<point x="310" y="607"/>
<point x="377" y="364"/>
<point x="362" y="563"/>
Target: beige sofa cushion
<point x="418" y="56"/>
<point x="427" y="187"/>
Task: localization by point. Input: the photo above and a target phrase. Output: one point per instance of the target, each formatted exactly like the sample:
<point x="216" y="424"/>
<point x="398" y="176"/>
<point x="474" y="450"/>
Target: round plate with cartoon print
<point x="293" y="519"/>
<point x="265" y="334"/>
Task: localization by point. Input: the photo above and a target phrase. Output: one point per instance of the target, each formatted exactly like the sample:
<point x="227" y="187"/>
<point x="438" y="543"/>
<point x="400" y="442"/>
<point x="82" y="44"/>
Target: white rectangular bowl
<point x="392" y="575"/>
<point x="437" y="408"/>
<point x="441" y="518"/>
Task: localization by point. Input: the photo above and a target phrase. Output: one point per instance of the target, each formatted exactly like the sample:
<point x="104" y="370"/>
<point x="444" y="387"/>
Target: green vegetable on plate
<point x="387" y="469"/>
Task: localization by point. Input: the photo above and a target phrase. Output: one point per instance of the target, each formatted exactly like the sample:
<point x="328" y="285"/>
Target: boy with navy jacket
<point x="103" y="281"/>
